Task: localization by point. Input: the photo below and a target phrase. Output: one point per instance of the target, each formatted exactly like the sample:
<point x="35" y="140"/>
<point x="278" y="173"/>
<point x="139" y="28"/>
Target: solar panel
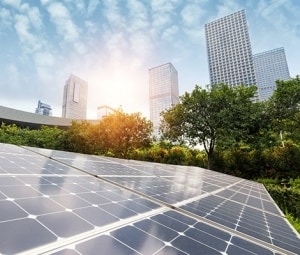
<point x="55" y="202"/>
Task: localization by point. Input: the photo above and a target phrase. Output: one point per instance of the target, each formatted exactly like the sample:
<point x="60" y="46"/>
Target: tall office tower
<point x="75" y="98"/>
<point x="229" y="51"/>
<point x="103" y="111"/>
<point x="270" y="66"/>
<point x="163" y="92"/>
<point x="43" y="109"/>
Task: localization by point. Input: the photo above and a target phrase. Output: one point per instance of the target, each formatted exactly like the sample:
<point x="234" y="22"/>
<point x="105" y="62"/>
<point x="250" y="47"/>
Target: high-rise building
<point x="75" y="98"/>
<point x="43" y="109"/>
<point x="229" y="50"/>
<point x="103" y="111"/>
<point x="163" y="92"/>
<point x="270" y="66"/>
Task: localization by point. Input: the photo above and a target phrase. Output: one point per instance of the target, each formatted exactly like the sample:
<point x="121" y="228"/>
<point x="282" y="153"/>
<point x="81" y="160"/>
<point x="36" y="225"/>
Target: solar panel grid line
<point x="234" y="225"/>
<point x="184" y="202"/>
<point x="183" y="233"/>
<point x="62" y="243"/>
<point x="236" y="233"/>
<point x="251" y="206"/>
<point x="255" y="232"/>
<point x="177" y="190"/>
<point x="199" y="218"/>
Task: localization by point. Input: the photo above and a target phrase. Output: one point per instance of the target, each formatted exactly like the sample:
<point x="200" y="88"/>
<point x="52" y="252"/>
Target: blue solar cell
<point x="138" y="240"/>
<point x="170" y="250"/>
<point x="156" y="229"/>
<point x="9" y="210"/>
<point x="39" y="205"/>
<point x="15" y="235"/>
<point x="104" y="245"/>
<point x="66" y="252"/>
<point x="244" y="247"/>
<point x="96" y="216"/>
<point x="65" y="224"/>
<point x="120" y="211"/>
<point x="193" y="247"/>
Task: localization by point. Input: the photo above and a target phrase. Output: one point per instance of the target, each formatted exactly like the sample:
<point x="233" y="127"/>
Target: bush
<point x="283" y="162"/>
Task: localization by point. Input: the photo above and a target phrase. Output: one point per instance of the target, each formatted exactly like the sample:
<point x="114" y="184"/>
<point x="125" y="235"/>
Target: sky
<point x="112" y="45"/>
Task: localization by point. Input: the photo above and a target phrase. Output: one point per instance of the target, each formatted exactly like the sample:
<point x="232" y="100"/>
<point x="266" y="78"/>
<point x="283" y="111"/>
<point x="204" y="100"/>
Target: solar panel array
<point x="62" y="203"/>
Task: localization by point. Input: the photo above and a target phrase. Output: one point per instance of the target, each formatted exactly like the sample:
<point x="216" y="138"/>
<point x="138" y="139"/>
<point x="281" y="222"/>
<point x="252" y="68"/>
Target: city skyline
<point x="270" y="66"/>
<point x="229" y="50"/>
<point x="112" y="45"/>
<point x="163" y="92"/>
<point x="74" y="105"/>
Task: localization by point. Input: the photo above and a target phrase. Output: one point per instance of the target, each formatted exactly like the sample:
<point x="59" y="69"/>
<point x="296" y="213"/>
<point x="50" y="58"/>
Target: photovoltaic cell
<point x="66" y="203"/>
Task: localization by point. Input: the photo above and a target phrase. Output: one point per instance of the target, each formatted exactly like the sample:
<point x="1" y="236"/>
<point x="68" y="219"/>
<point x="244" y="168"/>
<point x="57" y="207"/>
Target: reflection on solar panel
<point x="60" y="203"/>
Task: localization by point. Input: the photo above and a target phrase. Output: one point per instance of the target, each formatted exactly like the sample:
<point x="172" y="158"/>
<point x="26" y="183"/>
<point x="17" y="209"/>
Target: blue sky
<point x="112" y="44"/>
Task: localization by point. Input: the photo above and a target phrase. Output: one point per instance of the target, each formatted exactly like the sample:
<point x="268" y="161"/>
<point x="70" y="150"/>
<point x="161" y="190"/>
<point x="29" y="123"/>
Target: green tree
<point x="284" y="108"/>
<point x="120" y="133"/>
<point x="79" y="137"/>
<point x="207" y="115"/>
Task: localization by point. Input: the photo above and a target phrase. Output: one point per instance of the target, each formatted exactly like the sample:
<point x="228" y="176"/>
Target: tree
<point x="121" y="133"/>
<point x="285" y="108"/>
<point x="79" y="137"/>
<point x="206" y="116"/>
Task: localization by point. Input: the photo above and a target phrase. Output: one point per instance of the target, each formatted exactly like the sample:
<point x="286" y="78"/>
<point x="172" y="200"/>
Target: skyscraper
<point x="229" y="50"/>
<point x="75" y="98"/>
<point x="103" y="111"/>
<point x="270" y="66"/>
<point x="163" y="92"/>
<point x="43" y="109"/>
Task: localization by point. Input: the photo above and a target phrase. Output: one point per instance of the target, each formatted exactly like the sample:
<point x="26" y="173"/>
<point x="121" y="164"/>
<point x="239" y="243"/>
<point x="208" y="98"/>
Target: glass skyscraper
<point x="229" y="50"/>
<point x="163" y="92"/>
<point x="270" y="66"/>
<point x="75" y="98"/>
<point x="43" y="109"/>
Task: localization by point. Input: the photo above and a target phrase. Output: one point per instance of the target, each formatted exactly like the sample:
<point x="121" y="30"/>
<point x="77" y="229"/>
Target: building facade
<point x="163" y="92"/>
<point x="229" y="51"/>
<point x="43" y="109"/>
<point x="75" y="98"/>
<point x="270" y="66"/>
<point x="103" y="111"/>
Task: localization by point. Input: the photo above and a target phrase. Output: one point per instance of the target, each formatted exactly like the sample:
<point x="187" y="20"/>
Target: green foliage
<point x="286" y="194"/>
<point x="294" y="221"/>
<point x="122" y="133"/>
<point x="45" y="137"/>
<point x="177" y="155"/>
<point x="206" y="116"/>
<point x="79" y="137"/>
<point x="282" y="162"/>
<point x="285" y="100"/>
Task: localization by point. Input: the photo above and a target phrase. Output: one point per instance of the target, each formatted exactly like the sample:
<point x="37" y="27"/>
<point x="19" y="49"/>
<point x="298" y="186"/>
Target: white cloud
<point x="191" y="15"/>
<point x="44" y="62"/>
<point x="45" y="2"/>
<point x="112" y="12"/>
<point x="169" y="33"/>
<point x="138" y="16"/>
<point x="13" y="3"/>
<point x="5" y="18"/>
<point x="227" y="7"/>
<point x="22" y="26"/>
<point x="267" y="9"/>
<point x="77" y="5"/>
<point x="91" y="27"/>
<point x="80" y="48"/>
<point x="92" y="6"/>
<point x="44" y="59"/>
<point x="61" y="17"/>
<point x="34" y="15"/>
